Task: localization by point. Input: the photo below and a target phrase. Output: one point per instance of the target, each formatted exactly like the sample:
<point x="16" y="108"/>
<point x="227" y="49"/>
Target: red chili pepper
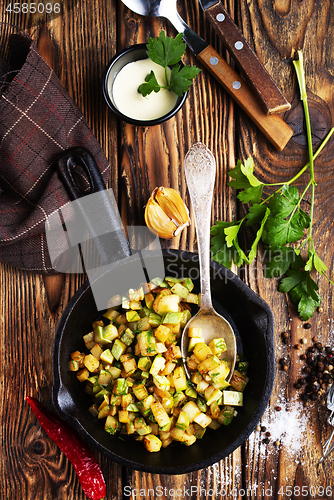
<point x="82" y="459"/>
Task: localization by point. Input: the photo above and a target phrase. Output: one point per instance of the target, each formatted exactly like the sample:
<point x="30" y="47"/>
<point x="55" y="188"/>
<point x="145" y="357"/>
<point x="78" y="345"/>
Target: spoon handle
<point x="200" y="171"/>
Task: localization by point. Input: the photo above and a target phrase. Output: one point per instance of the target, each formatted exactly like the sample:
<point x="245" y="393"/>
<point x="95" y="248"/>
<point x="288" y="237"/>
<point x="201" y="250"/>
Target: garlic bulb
<point x="165" y="213"/>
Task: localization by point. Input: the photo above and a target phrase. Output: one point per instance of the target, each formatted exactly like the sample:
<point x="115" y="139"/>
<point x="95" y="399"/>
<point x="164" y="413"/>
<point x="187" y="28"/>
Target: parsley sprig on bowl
<point x="167" y="52"/>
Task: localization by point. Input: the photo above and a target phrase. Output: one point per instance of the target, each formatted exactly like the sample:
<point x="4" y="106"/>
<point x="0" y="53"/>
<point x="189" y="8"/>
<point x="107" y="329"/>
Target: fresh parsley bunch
<point x="167" y="51"/>
<point x="282" y="226"/>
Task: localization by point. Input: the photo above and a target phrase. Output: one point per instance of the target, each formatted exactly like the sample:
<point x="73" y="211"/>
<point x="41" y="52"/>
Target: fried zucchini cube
<point x="164" y="304"/>
<point x="182" y="421"/>
<point x="104" y="377"/>
<point x="83" y="375"/>
<point x="162" y="333"/>
<point x="233" y="398"/>
<point x="203" y="420"/>
<point x="157" y="365"/>
<point x="180" y="290"/>
<point x="208" y="364"/>
<point x="129" y="363"/>
<point x="179" y="379"/>
<point x="96" y="351"/>
<point x="91" y="363"/>
<point x="89" y="340"/>
<point x="111" y="424"/>
<point x="238" y="381"/>
<point x="139" y="390"/>
<point x="192" y="410"/>
<point x="217" y="346"/>
<point x="202" y="351"/>
<point x="118" y="349"/>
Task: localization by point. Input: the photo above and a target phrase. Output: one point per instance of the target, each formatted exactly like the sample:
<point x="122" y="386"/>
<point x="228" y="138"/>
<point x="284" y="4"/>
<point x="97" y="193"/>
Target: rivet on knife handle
<point x="272" y="126"/>
<point x="255" y="73"/>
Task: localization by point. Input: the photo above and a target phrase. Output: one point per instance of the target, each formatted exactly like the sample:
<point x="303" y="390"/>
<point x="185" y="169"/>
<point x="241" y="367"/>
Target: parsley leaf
<point x="315" y="261"/>
<point x="279" y="261"/>
<point x="281" y="230"/>
<point x="167" y="52"/>
<point x="283" y="204"/>
<point x="293" y="278"/>
<point x="252" y="194"/>
<point x="225" y="247"/>
<point x="231" y="234"/>
<point x="255" y="214"/>
<point x="243" y="175"/>
<point x="304" y="293"/>
<point x="181" y="79"/>
<point x="246" y="180"/>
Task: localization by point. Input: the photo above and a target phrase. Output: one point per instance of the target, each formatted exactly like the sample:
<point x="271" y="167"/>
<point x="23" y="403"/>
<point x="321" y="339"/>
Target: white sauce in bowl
<point x="124" y="91"/>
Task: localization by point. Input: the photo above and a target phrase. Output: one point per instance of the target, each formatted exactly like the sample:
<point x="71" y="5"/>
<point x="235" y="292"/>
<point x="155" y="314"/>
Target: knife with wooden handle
<point x="253" y="70"/>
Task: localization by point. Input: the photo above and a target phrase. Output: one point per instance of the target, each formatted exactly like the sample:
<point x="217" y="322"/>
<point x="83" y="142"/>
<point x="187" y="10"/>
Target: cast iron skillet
<point x="251" y="319"/>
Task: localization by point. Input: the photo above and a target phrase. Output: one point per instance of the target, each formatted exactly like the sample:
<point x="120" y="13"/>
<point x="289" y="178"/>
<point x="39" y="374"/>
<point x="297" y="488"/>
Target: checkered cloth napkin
<point x="38" y="120"/>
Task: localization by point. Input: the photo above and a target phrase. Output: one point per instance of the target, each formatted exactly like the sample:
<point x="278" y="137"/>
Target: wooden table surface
<point x="78" y="45"/>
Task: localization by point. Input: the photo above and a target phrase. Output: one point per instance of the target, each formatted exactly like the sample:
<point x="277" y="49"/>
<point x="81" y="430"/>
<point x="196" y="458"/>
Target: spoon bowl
<point x="157" y="8"/>
<point x="200" y="171"/>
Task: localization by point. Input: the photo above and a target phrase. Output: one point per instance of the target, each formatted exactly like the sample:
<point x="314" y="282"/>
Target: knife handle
<point x="255" y="73"/>
<point x="272" y="126"/>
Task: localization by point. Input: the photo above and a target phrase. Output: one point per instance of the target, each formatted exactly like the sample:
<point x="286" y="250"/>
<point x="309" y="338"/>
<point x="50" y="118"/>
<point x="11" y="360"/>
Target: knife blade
<point x="248" y="62"/>
<point x="271" y="125"/>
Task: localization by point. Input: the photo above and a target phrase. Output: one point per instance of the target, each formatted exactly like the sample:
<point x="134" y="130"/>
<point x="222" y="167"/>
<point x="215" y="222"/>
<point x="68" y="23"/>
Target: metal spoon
<point x="200" y="171"/>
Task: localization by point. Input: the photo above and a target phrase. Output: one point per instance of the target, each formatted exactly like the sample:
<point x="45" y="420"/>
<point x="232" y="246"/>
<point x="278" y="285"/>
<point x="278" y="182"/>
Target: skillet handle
<point x="112" y="245"/>
<point x="272" y="126"/>
<point x="74" y="157"/>
<point x="258" y="78"/>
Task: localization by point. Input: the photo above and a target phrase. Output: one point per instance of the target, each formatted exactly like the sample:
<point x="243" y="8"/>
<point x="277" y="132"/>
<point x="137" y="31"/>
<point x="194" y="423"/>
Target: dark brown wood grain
<point x="78" y="45"/>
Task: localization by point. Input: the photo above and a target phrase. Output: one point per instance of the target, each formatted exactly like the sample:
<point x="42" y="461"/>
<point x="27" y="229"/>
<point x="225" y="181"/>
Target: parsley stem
<point x="320" y="148"/>
<point x="311" y="214"/>
<point x="299" y="67"/>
